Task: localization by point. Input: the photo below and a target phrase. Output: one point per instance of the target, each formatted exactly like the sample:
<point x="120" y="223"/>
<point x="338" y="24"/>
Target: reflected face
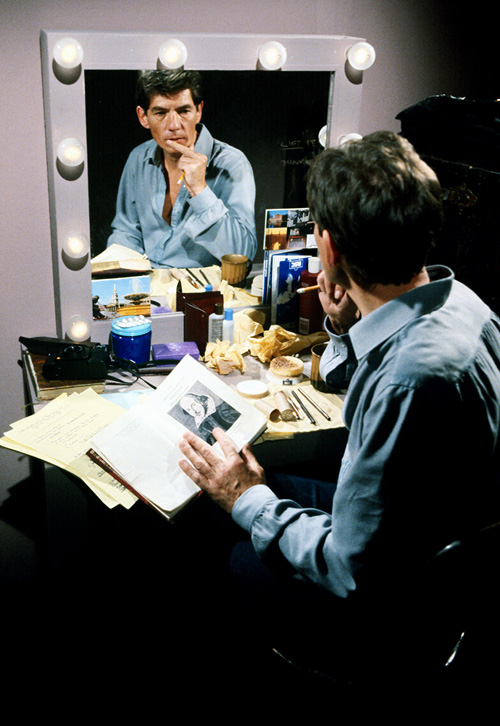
<point x="172" y="118"/>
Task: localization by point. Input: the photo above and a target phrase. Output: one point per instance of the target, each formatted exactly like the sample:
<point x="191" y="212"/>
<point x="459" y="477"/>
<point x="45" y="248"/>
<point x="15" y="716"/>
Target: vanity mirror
<point x="238" y="85"/>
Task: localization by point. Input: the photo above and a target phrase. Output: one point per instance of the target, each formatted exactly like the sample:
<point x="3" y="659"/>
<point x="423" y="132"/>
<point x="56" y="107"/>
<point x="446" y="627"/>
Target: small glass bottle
<point x="215" y="321"/>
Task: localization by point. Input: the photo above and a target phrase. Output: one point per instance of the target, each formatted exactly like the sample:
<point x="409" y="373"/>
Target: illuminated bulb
<point x="361" y="56"/>
<point x="76" y="245"/>
<point x="68" y="53"/>
<point x="71" y="152"/>
<point x="322" y="136"/>
<point x="78" y="328"/>
<point x="172" y="53"/>
<point x="272" y="56"/>
<point x="349" y="137"/>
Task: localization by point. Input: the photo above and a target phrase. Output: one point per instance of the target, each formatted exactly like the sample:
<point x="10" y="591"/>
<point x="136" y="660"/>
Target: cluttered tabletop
<point x="264" y="373"/>
<point x="82" y="396"/>
<point x="272" y="369"/>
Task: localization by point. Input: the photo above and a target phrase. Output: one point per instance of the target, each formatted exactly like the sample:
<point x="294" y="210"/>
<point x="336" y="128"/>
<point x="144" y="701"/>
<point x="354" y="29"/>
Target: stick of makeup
<point x="297" y="410"/>
<point x="306" y="289"/>
<point x="182" y="177"/>
<point x="285" y="409"/>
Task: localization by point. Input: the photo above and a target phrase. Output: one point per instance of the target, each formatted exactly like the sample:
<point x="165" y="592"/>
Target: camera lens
<point x="73" y="351"/>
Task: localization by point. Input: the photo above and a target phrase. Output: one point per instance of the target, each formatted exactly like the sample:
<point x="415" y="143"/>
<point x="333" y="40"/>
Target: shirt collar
<point x="204" y="145"/>
<point x="386" y="320"/>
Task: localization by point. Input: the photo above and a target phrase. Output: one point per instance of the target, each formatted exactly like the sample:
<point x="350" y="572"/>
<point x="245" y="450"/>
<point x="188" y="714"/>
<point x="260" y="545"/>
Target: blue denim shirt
<point x="422" y="457"/>
<point x="217" y="221"/>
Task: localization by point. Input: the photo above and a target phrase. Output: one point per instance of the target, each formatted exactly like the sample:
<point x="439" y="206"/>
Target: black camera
<point x="77" y="363"/>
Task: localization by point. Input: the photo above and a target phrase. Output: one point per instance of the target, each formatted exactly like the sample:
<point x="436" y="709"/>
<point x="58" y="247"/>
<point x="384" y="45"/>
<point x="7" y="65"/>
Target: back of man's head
<point x="167" y="83"/>
<point x="381" y="204"/>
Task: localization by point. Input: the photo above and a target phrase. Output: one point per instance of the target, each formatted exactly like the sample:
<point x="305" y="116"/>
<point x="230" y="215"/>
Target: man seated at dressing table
<point x="415" y="473"/>
<point x="185" y="198"/>
<point x="326" y="560"/>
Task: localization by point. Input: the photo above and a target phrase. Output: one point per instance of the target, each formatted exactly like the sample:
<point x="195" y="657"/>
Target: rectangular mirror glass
<point x="273" y="116"/>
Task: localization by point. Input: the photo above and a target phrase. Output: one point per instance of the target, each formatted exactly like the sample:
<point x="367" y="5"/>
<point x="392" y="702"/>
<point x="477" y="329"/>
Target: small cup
<point x="235" y="268"/>
<point x="316" y="381"/>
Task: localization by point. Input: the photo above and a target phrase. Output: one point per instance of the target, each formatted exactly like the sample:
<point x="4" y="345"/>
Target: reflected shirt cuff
<point x="203" y="200"/>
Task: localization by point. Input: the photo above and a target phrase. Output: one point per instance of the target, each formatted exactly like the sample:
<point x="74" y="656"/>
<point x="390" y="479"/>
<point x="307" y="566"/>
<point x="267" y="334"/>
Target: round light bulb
<point x="361" y="56"/>
<point x="322" y="136"/>
<point x="68" y="53"/>
<point x="78" y="328"/>
<point x="172" y="53"/>
<point x="272" y="56"/>
<point x="71" y="152"/>
<point x="349" y="137"/>
<point x="76" y="245"/>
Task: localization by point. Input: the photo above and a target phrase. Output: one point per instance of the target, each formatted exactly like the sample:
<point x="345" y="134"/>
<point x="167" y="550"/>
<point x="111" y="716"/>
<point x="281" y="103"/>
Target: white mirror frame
<point x="64" y="106"/>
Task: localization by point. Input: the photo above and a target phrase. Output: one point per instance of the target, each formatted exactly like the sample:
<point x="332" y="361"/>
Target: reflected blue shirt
<point x="421" y="463"/>
<point x="217" y="221"/>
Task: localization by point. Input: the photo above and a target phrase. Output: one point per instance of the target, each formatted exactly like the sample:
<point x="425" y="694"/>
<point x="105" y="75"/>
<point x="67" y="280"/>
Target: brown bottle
<point x="311" y="314"/>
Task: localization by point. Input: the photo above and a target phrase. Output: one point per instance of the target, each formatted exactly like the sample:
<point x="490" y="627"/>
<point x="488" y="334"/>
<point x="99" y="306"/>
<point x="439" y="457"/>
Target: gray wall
<point x="423" y="48"/>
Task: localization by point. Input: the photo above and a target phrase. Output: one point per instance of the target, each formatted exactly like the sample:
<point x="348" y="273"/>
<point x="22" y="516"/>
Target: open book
<point x="119" y="259"/>
<point x="141" y="447"/>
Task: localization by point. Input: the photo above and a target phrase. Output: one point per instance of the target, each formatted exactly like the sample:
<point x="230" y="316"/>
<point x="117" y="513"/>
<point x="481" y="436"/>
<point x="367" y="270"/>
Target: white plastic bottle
<point x="215" y="321"/>
<point x="228" y="326"/>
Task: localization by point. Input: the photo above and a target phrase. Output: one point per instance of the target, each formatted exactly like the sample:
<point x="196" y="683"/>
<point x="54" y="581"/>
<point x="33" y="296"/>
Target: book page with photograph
<point x="142" y="445"/>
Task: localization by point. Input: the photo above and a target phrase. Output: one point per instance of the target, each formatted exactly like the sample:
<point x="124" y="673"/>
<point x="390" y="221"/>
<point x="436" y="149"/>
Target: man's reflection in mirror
<point x="185" y="198"/>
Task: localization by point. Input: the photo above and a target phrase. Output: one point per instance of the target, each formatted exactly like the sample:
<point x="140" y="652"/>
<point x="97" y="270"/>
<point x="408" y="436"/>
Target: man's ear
<point x="141" y="115"/>
<point x="332" y="255"/>
<point x="199" y="110"/>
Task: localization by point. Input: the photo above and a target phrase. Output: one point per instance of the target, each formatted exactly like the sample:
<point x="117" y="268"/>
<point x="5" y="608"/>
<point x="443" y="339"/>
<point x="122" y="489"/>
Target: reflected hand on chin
<point x="341" y="310"/>
<point x="224" y="480"/>
<point x="194" y="166"/>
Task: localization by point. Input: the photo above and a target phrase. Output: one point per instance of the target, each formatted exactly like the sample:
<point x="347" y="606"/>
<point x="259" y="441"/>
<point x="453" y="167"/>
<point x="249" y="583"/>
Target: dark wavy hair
<point x="381" y="204"/>
<point x="167" y="83"/>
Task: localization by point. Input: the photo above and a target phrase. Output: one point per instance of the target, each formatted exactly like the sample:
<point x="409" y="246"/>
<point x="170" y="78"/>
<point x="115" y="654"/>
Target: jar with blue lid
<point x="131" y="338"/>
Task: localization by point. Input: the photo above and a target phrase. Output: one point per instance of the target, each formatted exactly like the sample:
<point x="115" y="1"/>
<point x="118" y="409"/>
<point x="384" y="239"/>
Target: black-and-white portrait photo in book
<point x="200" y="410"/>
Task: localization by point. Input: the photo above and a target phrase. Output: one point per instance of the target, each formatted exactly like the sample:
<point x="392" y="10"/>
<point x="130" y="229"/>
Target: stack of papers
<point x="60" y="434"/>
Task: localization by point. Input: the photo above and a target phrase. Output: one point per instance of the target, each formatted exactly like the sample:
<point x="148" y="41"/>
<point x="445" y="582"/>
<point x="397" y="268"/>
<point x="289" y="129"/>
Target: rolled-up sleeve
<point x="338" y="362"/>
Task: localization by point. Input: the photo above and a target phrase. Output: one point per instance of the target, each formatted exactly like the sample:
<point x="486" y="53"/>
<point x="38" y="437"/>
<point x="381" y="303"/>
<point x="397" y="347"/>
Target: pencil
<point x="182" y="177"/>
<point x="306" y="289"/>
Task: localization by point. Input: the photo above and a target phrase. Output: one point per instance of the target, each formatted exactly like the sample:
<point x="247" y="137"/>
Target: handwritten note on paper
<point x="60" y="433"/>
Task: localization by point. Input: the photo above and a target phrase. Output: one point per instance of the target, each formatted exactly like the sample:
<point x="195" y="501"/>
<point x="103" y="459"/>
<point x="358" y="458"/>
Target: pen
<point x="182" y="177"/>
<point x="315" y="404"/>
<point x="304" y="408"/>
<point x="306" y="289"/>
